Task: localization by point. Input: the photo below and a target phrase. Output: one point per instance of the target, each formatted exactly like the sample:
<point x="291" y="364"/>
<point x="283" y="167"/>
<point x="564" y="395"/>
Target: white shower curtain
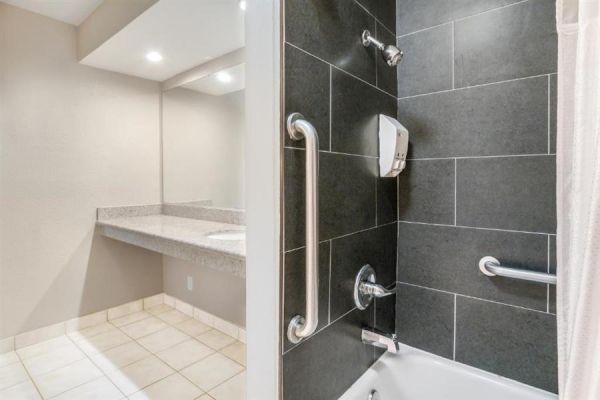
<point x="578" y="198"/>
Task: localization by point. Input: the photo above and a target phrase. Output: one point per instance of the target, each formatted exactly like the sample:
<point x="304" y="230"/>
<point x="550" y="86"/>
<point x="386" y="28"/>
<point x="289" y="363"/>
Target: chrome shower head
<point x="390" y="53"/>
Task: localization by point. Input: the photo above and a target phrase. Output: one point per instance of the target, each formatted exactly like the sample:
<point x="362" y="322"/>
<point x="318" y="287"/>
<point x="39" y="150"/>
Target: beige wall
<point x="203" y="147"/>
<point x="219" y="293"/>
<point x="72" y="138"/>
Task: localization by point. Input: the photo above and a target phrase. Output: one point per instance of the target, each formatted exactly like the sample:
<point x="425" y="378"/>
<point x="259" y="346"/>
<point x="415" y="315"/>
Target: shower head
<point x="390" y="53"/>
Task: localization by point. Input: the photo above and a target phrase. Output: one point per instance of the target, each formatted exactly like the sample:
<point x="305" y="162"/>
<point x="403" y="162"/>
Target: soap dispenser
<point x="393" y="146"/>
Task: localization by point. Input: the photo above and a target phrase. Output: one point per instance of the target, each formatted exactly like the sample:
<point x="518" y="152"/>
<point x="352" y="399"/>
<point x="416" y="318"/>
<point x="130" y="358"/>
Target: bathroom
<point x="299" y="199"/>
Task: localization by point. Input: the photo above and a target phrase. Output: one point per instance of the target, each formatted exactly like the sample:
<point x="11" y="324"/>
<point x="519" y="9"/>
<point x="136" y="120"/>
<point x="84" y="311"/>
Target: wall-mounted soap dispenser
<point x="393" y="145"/>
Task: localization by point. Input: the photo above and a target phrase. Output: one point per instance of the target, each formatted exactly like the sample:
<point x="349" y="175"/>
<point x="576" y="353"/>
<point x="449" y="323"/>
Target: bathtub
<point x="416" y="375"/>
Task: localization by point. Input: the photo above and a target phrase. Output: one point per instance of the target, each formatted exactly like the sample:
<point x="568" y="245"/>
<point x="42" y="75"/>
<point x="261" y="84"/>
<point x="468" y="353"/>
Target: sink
<point x="227" y="235"/>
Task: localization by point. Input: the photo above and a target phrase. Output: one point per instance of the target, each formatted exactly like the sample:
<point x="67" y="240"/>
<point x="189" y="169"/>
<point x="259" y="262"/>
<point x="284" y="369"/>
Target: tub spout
<point x="380" y="339"/>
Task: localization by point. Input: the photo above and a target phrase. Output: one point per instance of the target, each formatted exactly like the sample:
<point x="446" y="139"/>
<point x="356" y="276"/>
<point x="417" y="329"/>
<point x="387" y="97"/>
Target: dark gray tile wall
<point x="340" y="87"/>
<point x="477" y="91"/>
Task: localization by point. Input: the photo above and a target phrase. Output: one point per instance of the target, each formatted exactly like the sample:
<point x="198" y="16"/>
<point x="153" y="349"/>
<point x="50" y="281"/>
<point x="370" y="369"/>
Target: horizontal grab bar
<point x="490" y="266"/>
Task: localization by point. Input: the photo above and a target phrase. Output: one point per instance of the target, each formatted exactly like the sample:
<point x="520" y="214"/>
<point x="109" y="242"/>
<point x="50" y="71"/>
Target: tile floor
<point x="155" y="354"/>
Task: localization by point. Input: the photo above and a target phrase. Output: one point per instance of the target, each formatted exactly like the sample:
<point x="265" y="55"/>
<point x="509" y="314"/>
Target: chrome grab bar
<point x="490" y="266"/>
<point x="300" y="327"/>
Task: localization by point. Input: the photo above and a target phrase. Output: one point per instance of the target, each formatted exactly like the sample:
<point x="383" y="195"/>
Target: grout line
<point x="454" y="333"/>
<point x="475" y="227"/>
<point x="329" y="288"/>
<point x="375" y="18"/>
<point x="343" y="236"/>
<point x="37" y="389"/>
<point x="473" y="297"/>
<point x="376" y="187"/>
<point x="341" y="70"/>
<point x="478" y="157"/>
<point x="466" y="17"/>
<point x="548" y="114"/>
<point x="333" y="152"/>
<point x="375" y="60"/>
<point x="455" y="187"/>
<point x="330" y="106"/>
<point x="424" y="29"/>
<point x="473" y="86"/>
<point x="548" y="271"/>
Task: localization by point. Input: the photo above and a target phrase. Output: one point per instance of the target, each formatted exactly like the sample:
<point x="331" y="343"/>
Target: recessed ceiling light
<point x="154" y="56"/>
<point x="224" y="77"/>
<point x="243" y="4"/>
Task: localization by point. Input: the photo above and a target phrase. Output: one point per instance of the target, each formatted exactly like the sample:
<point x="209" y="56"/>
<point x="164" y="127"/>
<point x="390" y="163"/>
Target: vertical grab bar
<point x="300" y="327"/>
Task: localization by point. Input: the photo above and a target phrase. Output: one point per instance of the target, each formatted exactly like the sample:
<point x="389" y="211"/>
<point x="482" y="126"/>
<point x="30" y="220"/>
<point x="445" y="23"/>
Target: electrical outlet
<point x="190" y="283"/>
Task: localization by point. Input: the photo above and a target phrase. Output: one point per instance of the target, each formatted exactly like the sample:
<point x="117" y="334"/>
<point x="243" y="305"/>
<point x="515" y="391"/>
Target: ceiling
<point x="70" y="11"/>
<point x="211" y="84"/>
<point x="185" y="32"/>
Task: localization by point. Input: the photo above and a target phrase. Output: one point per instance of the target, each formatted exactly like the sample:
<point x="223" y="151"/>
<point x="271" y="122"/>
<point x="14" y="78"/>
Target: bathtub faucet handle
<point x="366" y="288"/>
<point x="375" y="290"/>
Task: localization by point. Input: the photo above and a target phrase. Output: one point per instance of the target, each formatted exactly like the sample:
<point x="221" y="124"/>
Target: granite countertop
<point x="184" y="230"/>
<point x="181" y="237"/>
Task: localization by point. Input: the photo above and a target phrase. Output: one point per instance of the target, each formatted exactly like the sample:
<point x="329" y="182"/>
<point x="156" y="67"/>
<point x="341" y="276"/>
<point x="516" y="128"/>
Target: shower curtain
<point x="578" y="199"/>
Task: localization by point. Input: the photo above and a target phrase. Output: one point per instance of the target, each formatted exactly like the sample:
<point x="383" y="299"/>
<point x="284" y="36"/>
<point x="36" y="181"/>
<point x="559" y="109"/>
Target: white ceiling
<point x="186" y="33"/>
<point x="70" y="11"/>
<point x="212" y="85"/>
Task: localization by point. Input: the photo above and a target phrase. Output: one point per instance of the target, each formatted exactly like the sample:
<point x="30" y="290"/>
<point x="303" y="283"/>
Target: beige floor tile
<point x="22" y="391"/>
<point x="12" y="374"/>
<point x="53" y="359"/>
<point x="173" y="317"/>
<point x="119" y="357"/>
<point x="212" y="371"/>
<point x="171" y="388"/>
<point x="103" y="341"/>
<point x="215" y="339"/>
<point x="185" y="353"/>
<point x="205" y="397"/>
<point x="233" y="389"/>
<point x="66" y="378"/>
<point x="8" y="358"/>
<point x="91" y="331"/>
<point x="98" y="389"/>
<point x="159" y="309"/>
<point x="193" y="327"/>
<point x="144" y="327"/>
<point x="163" y="339"/>
<point x="43" y="347"/>
<point x="140" y="374"/>
<point x="130" y="318"/>
<point x="235" y="351"/>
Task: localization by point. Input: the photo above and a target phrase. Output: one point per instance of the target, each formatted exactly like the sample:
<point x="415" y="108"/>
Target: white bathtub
<point x="416" y="375"/>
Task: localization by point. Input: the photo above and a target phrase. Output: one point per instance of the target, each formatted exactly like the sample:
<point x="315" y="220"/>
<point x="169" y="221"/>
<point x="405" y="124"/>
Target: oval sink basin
<point x="227" y="235"/>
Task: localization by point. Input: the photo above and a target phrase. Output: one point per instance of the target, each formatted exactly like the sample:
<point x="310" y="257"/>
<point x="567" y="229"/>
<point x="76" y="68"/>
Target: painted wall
<point x="477" y="91"/>
<point x="340" y="87"/>
<point x="203" y="147"/>
<point x="72" y="138"/>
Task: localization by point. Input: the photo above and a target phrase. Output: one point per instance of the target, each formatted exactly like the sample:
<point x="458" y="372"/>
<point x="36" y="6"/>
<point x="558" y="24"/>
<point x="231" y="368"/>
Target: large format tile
<point x="295" y="287"/>
<point x="144" y="327"/>
<point x="552" y="269"/>
<point x="235" y="351"/>
<point x="385" y="313"/>
<point x="212" y="371"/>
<point x="119" y="357"/>
<point x="215" y="339"/>
<point x="21" y="391"/>
<point x="12" y="374"/>
<point x="52" y="360"/>
<point x="349" y="254"/>
<point x="515" y="193"/>
<point x="307" y="92"/>
<point x="103" y="341"/>
<point x="323" y="367"/>
<point x="185" y="353"/>
<point x="447" y="258"/>
<point x="130" y="318"/>
<point x="140" y="374"/>
<point x="233" y="389"/>
<point x="500" y="119"/>
<point x="355" y="107"/>
<point x="8" y="358"/>
<point x="384" y="11"/>
<point x="387" y="77"/>
<point x="509" y="341"/>
<point x="426" y="191"/>
<point x="427" y="63"/>
<point x="425" y="319"/>
<point x="193" y="327"/>
<point x="347" y="195"/>
<point x="88" y="332"/>
<point x="41" y="348"/>
<point x="553" y="111"/>
<point x="172" y="387"/>
<point x="98" y="389"/>
<point x="413" y="15"/>
<point x="387" y="200"/>
<point x="163" y="339"/>
<point x="519" y="41"/>
<point x="66" y="378"/>
<point x="331" y="30"/>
